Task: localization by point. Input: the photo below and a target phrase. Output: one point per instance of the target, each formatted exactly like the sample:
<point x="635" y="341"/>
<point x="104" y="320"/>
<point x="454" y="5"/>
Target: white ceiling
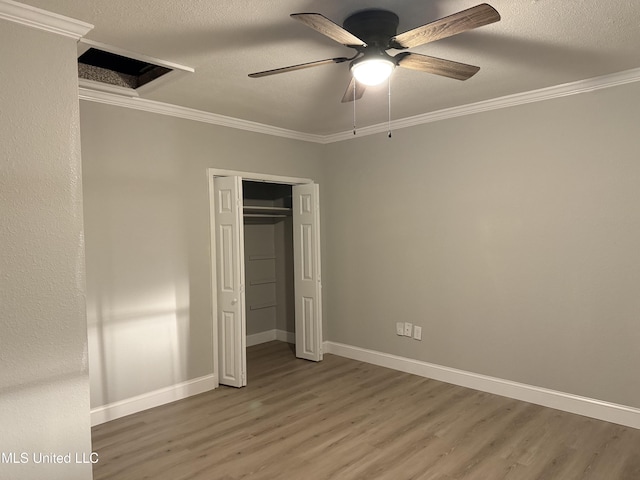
<point x="538" y="43"/>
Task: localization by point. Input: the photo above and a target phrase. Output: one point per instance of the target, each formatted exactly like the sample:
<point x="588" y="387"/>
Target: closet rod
<point x="263" y="215"/>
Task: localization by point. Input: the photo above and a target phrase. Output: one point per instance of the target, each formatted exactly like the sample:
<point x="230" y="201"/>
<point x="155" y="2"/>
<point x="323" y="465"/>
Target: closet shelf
<point x="262" y="305"/>
<point x="263" y="215"/>
<point x="255" y="210"/>
<point x="262" y="281"/>
<point x="262" y="257"/>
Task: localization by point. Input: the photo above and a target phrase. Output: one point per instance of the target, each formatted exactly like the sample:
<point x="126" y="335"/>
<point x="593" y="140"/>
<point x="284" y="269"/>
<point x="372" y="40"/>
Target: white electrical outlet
<point x="408" y="327"/>
<point x="417" y="332"/>
<point x="399" y="328"/>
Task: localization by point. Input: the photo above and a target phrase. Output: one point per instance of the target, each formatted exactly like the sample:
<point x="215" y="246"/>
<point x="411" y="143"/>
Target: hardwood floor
<point x="344" y="419"/>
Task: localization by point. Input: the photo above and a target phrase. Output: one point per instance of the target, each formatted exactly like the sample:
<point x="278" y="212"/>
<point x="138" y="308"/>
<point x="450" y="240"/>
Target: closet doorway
<point x="265" y="272"/>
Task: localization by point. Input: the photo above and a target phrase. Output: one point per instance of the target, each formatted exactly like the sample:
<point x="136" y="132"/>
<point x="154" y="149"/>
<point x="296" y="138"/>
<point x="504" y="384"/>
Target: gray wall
<point x="511" y="237"/>
<point x="147" y="234"/>
<point x="44" y="383"/>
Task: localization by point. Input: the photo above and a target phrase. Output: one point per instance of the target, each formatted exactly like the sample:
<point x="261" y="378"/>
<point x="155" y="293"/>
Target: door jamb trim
<point x="251" y="176"/>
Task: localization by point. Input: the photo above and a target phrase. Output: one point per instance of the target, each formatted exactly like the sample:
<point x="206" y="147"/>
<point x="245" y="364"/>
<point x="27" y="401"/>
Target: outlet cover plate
<point x="400" y="328"/>
<point x="417" y="332"/>
<point x="408" y="327"/>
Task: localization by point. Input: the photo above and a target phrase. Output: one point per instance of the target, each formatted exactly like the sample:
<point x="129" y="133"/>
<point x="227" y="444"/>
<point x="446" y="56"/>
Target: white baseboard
<point x="589" y="407"/>
<point x="179" y="391"/>
<point x="269" y="336"/>
<point x="153" y="399"/>
<point x="262" y="337"/>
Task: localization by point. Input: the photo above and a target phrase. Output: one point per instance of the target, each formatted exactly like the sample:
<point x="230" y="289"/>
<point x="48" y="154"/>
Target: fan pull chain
<point x="389" y="106"/>
<point x="354" y="105"/>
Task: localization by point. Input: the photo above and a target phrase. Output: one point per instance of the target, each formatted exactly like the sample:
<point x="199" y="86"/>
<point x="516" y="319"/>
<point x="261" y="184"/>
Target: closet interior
<point x="268" y="254"/>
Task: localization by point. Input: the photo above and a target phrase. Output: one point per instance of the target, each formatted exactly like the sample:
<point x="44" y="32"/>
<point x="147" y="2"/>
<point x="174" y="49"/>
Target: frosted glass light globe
<point x="372" y="72"/>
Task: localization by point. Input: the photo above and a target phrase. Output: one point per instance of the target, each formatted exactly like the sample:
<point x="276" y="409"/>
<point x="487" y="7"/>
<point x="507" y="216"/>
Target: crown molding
<point x="558" y="91"/>
<point x="93" y="86"/>
<point x="192" y="114"/>
<point x="43" y="20"/>
<point x="548" y="93"/>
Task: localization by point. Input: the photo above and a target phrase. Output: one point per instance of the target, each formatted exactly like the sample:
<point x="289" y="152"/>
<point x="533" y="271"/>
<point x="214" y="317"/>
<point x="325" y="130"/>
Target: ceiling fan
<point x="372" y="32"/>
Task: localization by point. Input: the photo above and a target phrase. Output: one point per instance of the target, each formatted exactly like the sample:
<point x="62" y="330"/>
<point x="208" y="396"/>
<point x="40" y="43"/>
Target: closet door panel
<point x="230" y="281"/>
<point x="306" y="245"/>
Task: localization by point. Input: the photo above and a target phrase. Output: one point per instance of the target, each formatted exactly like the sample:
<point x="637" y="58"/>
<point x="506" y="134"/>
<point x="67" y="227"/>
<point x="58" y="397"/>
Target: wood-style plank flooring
<point x="344" y="419"/>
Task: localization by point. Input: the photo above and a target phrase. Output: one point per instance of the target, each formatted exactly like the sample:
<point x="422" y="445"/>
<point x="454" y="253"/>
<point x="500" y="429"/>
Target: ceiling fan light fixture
<point x="372" y="32"/>
<point x="372" y="71"/>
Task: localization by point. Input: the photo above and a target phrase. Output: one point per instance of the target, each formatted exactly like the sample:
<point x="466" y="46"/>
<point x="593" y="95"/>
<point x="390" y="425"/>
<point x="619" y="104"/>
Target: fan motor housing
<point x="374" y="26"/>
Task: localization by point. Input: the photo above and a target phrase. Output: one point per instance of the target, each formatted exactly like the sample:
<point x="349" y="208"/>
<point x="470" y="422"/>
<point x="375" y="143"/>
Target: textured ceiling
<point x="538" y="43"/>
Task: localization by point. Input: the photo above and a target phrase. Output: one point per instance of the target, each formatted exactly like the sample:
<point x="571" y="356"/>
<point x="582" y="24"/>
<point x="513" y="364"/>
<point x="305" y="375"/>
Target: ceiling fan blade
<point x="437" y="66"/>
<point x="328" y="28"/>
<point x="473" y="17"/>
<point x="359" y="87"/>
<point x="301" y="66"/>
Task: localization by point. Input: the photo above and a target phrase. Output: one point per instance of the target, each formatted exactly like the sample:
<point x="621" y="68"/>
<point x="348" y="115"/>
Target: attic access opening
<point x="112" y="69"/>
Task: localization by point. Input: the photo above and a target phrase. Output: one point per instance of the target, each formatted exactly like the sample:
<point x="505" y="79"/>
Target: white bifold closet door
<point x="306" y="262"/>
<point x="230" y="281"/>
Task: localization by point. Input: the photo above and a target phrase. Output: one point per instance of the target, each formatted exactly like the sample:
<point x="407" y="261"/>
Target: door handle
<point x="234" y="301"/>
